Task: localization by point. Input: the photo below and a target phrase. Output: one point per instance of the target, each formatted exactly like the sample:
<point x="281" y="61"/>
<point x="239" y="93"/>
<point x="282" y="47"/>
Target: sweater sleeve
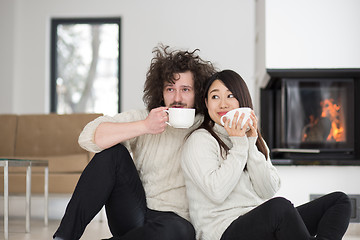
<point x="263" y="174"/>
<point x="203" y="165"/>
<point x="86" y="138"/>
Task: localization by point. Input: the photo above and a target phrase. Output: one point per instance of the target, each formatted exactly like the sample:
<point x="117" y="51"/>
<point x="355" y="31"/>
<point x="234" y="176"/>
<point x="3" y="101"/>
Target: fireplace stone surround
<point x="296" y="100"/>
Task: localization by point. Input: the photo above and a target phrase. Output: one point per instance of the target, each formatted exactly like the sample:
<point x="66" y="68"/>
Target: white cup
<point x="230" y="115"/>
<point x="181" y="117"/>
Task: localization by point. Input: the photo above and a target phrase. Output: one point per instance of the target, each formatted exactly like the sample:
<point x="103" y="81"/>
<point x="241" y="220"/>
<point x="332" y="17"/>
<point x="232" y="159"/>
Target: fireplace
<point x="309" y="115"/>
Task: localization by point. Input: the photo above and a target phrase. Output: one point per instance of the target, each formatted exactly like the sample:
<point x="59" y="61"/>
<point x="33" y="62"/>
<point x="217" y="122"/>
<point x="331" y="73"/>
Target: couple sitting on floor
<point x="217" y="176"/>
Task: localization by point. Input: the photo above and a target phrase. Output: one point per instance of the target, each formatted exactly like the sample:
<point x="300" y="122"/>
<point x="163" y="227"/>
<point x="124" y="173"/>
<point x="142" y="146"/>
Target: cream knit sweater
<point x="157" y="159"/>
<point x="220" y="190"/>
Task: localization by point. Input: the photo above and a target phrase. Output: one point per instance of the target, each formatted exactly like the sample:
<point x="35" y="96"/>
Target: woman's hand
<point x="253" y="128"/>
<point x="236" y="129"/>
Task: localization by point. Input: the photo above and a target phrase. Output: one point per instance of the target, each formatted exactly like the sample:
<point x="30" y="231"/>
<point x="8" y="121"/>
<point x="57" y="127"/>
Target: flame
<point x="328" y="127"/>
<point x="332" y="111"/>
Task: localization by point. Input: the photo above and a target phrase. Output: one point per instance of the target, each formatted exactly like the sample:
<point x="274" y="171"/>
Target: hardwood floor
<point x="95" y="231"/>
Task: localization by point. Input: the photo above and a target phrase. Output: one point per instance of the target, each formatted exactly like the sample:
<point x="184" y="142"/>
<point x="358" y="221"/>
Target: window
<point x="85" y="66"/>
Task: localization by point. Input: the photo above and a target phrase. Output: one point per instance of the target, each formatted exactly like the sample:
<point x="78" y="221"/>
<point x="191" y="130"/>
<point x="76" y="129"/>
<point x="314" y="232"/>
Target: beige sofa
<point x="52" y="137"/>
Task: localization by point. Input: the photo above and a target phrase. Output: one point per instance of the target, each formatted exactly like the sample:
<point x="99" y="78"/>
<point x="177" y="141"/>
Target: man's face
<point x="182" y="93"/>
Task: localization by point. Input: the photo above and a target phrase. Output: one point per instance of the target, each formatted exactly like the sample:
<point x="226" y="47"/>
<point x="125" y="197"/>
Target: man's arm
<point x="108" y="134"/>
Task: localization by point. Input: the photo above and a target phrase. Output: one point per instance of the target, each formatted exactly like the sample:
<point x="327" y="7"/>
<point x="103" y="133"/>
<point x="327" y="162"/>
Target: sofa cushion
<point x="52" y="137"/>
<point x="7" y="131"/>
<point x="50" y="134"/>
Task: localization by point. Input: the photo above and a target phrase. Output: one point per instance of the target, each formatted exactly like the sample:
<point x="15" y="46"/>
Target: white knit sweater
<point x="220" y="190"/>
<point x="157" y="159"/>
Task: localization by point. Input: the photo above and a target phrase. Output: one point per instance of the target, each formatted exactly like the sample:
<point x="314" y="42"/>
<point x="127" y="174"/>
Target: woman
<point x="230" y="179"/>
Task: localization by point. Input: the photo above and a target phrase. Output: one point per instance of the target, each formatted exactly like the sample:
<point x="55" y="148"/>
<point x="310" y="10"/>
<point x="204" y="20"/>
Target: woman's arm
<point x="263" y="175"/>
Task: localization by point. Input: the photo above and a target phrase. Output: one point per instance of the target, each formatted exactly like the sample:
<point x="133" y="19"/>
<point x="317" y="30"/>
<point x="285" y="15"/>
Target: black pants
<point x="327" y="218"/>
<point x="111" y="179"/>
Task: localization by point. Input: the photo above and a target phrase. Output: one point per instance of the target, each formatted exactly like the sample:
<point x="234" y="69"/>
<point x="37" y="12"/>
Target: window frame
<point x="53" y="53"/>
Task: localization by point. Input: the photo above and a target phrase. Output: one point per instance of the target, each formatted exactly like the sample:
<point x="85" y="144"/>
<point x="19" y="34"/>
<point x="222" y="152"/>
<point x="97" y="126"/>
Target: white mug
<point x="230" y="115"/>
<point x="181" y="117"/>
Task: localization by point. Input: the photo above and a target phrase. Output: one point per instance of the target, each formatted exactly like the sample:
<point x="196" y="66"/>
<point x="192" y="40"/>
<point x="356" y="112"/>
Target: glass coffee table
<point x="8" y="162"/>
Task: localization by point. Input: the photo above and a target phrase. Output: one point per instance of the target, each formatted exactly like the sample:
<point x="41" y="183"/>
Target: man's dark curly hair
<point x="164" y="66"/>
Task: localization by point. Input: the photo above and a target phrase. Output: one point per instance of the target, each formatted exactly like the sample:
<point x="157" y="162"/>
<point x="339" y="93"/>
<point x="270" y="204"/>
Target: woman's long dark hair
<point x="239" y="89"/>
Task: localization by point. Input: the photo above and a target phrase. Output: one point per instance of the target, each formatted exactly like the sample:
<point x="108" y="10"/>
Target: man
<point x="144" y="196"/>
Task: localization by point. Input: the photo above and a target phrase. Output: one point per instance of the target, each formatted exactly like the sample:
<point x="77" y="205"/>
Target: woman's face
<point x="220" y="100"/>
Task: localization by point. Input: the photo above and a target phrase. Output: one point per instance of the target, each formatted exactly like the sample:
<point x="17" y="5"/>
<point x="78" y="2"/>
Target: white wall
<point x="312" y="34"/>
<point x="298" y="182"/>
<point x="222" y="30"/>
<point x="7" y="22"/>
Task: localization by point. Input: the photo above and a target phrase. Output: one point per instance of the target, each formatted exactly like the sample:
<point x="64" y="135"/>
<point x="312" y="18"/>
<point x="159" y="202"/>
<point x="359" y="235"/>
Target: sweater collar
<point x="220" y="130"/>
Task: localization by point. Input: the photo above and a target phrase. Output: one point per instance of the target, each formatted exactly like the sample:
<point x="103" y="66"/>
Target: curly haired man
<point x="136" y="170"/>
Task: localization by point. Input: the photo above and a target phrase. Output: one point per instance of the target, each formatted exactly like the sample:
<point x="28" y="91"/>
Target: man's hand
<point x="155" y="122"/>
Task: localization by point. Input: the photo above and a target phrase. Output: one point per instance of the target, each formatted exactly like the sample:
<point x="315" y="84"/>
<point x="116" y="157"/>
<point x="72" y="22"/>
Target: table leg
<point x="6" y="200"/>
<point x="28" y="198"/>
<point x="46" y="196"/>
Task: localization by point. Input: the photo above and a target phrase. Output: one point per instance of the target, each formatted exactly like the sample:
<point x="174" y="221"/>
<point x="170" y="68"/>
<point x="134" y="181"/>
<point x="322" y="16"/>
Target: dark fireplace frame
<point x="270" y="127"/>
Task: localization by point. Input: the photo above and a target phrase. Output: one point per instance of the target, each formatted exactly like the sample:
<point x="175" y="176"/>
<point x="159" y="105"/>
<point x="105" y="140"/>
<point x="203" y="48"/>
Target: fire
<point x="328" y="127"/>
<point x="332" y="111"/>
